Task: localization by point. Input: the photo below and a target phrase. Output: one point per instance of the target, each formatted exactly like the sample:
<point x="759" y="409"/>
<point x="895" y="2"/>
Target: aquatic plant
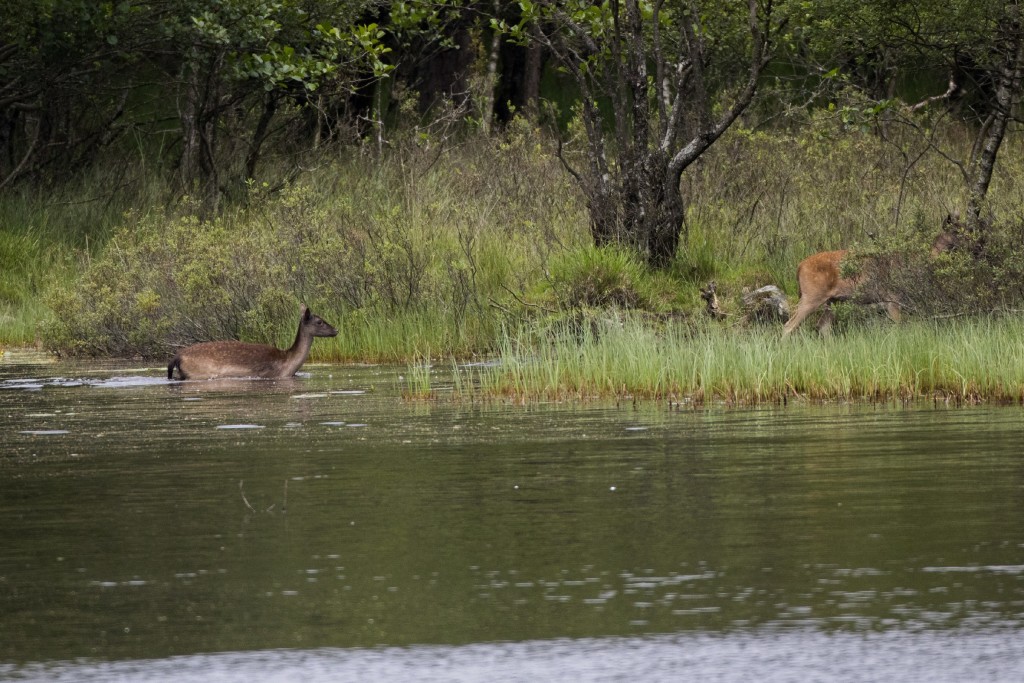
<point x="969" y="360"/>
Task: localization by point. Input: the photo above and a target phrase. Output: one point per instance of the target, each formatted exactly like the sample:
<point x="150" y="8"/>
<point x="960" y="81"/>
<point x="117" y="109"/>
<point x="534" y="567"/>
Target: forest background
<point x="452" y="178"/>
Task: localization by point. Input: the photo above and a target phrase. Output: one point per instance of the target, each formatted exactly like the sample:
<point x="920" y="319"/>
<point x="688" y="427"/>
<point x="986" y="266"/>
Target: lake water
<point x="325" y="529"/>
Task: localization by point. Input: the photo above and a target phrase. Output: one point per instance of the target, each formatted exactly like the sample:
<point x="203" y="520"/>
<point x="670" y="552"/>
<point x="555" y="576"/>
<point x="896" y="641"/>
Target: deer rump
<point x="821" y="282"/>
<point x="820" y="279"/>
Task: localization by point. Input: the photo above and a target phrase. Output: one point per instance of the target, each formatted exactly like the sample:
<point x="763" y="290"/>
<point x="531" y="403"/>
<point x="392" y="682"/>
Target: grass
<point x="483" y="251"/>
<point x="48" y="234"/>
<point x="30" y="262"/>
<point x="965" y="361"/>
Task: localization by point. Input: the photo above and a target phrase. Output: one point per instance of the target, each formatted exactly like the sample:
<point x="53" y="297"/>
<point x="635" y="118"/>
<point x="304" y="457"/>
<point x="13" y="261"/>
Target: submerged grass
<point x="966" y="361"/>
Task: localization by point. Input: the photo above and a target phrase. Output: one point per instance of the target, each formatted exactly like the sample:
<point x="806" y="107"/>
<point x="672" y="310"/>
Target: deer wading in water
<point x="821" y="282"/>
<point x="210" y="360"/>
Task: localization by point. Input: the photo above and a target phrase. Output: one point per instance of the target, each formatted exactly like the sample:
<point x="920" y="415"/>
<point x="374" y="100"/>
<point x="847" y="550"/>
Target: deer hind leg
<point x="824" y="325"/>
<point x="808" y="304"/>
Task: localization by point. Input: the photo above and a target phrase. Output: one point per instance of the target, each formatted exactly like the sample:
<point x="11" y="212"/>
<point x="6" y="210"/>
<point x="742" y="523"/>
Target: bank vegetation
<point x="547" y="184"/>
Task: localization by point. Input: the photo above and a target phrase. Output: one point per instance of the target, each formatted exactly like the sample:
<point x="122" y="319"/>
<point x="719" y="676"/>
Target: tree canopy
<point x="209" y="87"/>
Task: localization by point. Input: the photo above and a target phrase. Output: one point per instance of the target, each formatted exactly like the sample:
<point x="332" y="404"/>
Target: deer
<point x="821" y="283"/>
<point x="210" y="360"/>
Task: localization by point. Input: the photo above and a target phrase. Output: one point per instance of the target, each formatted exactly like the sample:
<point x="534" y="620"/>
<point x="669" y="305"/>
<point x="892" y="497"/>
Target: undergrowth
<point x="448" y="250"/>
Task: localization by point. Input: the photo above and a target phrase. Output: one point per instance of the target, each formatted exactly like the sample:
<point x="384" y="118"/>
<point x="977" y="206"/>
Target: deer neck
<point x="296" y="355"/>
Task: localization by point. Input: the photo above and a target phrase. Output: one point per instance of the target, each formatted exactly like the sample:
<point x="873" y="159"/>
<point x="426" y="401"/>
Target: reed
<point x="48" y="235"/>
<point x="968" y="361"/>
<point x="418" y="384"/>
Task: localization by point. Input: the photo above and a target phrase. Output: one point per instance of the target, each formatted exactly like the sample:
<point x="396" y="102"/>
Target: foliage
<point x="408" y="263"/>
<point x="81" y="77"/>
<point x="425" y="253"/>
<point x="974" y="277"/>
<point x="658" y="85"/>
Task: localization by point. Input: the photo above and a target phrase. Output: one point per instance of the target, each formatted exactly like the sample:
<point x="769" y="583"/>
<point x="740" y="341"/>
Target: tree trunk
<point x="443" y="75"/>
<point x="636" y="200"/>
<point x="604" y="220"/>
<point x="531" y="79"/>
<point x="1008" y="88"/>
<point x="259" y="136"/>
<point x="188" y="167"/>
<point x="491" y="81"/>
<point x="667" y="228"/>
<point x="518" y="87"/>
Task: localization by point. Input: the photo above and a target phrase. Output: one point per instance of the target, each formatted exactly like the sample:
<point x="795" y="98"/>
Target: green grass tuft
<point x="964" y="361"/>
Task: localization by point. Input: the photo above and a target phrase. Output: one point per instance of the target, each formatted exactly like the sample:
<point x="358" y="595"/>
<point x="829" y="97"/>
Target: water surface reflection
<point x="322" y="524"/>
<point x="937" y="657"/>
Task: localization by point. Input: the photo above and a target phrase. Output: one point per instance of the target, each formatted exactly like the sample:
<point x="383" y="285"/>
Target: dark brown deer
<point x="821" y="283"/>
<point x="209" y="360"/>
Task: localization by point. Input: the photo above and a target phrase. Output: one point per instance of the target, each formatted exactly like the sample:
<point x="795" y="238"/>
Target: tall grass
<point x="964" y="361"/>
<point x="47" y="235"/>
<point x="401" y="254"/>
<point x="445" y="249"/>
<point x="759" y="202"/>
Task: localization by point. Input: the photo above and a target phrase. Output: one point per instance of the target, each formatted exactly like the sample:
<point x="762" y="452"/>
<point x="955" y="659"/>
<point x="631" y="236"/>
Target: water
<point x="324" y="529"/>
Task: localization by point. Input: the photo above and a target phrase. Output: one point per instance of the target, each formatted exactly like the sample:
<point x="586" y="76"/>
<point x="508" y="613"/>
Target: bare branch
<point x="953" y="89"/>
<point x="683" y="71"/>
<point x="566" y="165"/>
<point x="760" y="55"/>
<point x="24" y="160"/>
<point x="659" y="66"/>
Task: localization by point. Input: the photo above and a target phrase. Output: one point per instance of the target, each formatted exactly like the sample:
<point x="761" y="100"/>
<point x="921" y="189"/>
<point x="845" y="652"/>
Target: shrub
<point x="976" y="276"/>
<point x="600" y="277"/>
<point x="408" y="262"/>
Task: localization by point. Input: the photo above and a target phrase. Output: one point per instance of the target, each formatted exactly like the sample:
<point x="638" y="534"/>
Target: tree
<point x="972" y="49"/>
<point x="76" y="74"/>
<point x="240" y="64"/>
<point x="674" y="77"/>
<point x="61" y="98"/>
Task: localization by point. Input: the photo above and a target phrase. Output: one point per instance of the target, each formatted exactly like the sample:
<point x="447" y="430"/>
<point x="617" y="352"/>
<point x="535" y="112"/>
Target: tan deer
<point x="821" y="283"/>
<point x="210" y="360"/>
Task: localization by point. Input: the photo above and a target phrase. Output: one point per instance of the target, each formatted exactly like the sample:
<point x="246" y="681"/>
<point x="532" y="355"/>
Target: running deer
<point x="209" y="360"/>
<point x="820" y="281"/>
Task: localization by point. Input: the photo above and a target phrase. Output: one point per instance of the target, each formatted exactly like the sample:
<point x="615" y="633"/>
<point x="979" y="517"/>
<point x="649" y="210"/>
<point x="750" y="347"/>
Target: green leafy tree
<point x="241" y="64"/>
<point x="972" y="50"/>
<point x="659" y="82"/>
<point x="74" y="75"/>
<point x="62" y="97"/>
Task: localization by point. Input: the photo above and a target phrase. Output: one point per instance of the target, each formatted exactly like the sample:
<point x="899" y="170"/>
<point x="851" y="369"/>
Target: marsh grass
<point x="418" y="383"/>
<point x="400" y="255"/>
<point x="482" y="249"/>
<point x="31" y="261"/>
<point x="964" y="361"/>
<point x="49" y="234"/>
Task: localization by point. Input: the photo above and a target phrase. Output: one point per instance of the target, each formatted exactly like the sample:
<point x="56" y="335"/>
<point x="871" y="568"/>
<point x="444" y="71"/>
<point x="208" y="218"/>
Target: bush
<point x="598" y="277"/>
<point x="165" y="282"/>
<point x="976" y="276"/>
<point x="408" y="262"/>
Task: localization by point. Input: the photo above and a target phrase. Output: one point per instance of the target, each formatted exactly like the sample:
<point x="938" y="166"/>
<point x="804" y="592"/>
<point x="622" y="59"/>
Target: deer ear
<point x="306" y="315"/>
